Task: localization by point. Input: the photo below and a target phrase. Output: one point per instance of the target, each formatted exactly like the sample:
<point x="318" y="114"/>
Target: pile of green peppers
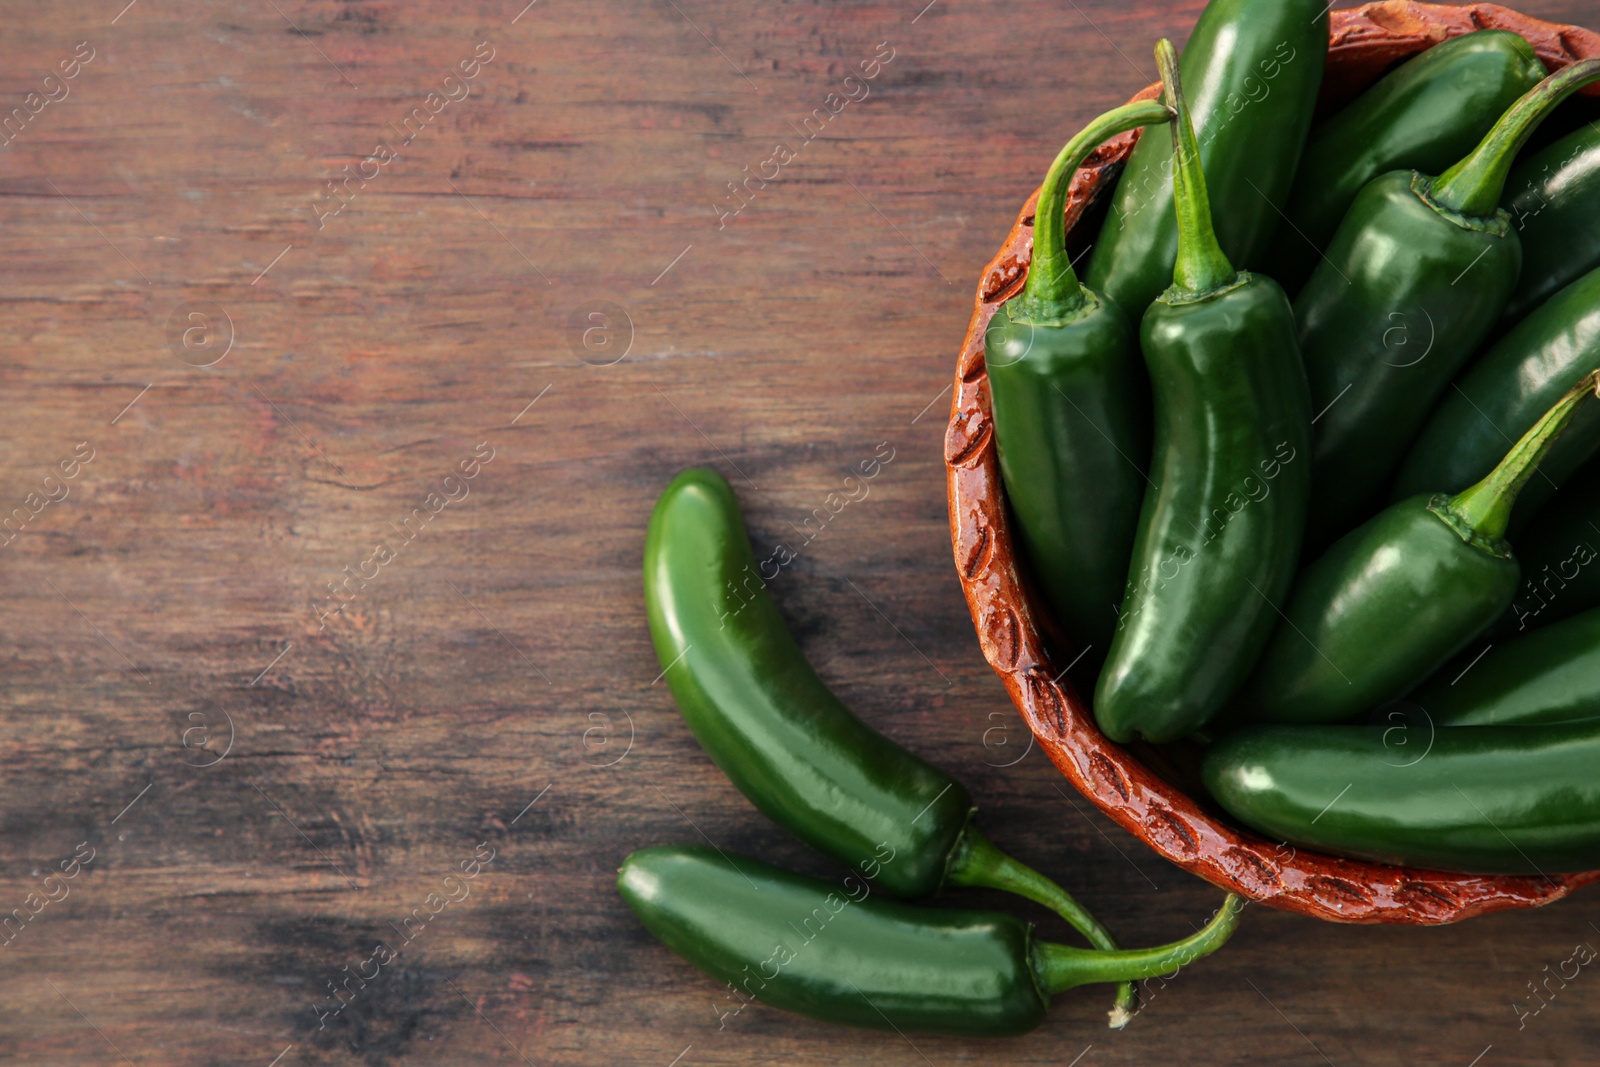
<point x="1266" y="462"/>
<point x="833" y="950"/>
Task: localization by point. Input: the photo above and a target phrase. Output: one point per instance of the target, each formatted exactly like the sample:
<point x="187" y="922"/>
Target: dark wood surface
<point x="268" y="786"/>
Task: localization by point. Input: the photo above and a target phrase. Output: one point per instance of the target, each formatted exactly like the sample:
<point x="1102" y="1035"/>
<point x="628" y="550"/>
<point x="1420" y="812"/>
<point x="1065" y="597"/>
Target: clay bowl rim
<point x="1364" y="42"/>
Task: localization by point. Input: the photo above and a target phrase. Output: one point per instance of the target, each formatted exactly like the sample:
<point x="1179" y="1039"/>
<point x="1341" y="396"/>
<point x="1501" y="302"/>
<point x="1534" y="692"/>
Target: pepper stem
<point x="1486" y="507"/>
<point x="1474" y="186"/>
<point x="1061" y="967"/>
<point x="1052" y="294"/>
<point x="979" y="863"/>
<point x="1202" y="267"/>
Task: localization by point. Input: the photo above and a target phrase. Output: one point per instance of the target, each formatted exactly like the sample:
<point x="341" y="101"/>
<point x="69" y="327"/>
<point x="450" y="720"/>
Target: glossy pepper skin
<point x="788" y="744"/>
<point x="1416" y="278"/>
<point x="1551" y="198"/>
<point x="1486" y="800"/>
<point x="1384" y="608"/>
<point x="1560" y="554"/>
<point x="1393" y="600"/>
<point x="1071" y="417"/>
<point x="1549" y="676"/>
<point x="1253" y="69"/>
<point x="1423" y="115"/>
<point x="764" y="716"/>
<point x="832" y="951"/>
<point x="1219" y="533"/>
<point x="1072" y="460"/>
<point x="1384" y="331"/>
<point x="1505" y="392"/>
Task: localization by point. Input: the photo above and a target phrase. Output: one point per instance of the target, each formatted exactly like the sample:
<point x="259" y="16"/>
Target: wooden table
<point x="269" y="301"/>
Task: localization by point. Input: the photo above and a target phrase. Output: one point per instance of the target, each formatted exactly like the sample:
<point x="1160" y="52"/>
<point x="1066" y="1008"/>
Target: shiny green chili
<point x="1415" y="280"/>
<point x="1423" y="115"/>
<point x="1219" y="533"/>
<point x="1253" y="69"/>
<point x="1559" y="553"/>
<point x="1551" y="675"/>
<point x="1393" y="600"/>
<point x="1503" y="394"/>
<point x="834" y="952"/>
<point x="1071" y="414"/>
<point x="1484" y="800"/>
<point x="1551" y="199"/>
<point x="765" y="718"/>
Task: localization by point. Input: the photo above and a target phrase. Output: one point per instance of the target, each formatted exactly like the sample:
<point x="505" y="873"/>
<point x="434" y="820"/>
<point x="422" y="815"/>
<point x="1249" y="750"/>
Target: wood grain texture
<point x="500" y="655"/>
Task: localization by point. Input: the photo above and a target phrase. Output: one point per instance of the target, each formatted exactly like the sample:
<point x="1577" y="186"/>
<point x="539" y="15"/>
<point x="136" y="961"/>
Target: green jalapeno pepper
<point x="1549" y="676"/>
<point x="1417" y="276"/>
<point x="1559" y="553"/>
<point x="1253" y="68"/>
<point x="1393" y="600"/>
<point x="1071" y="417"/>
<point x="1504" y="392"/>
<point x="831" y="951"/>
<point x="1219" y="533"/>
<point x="788" y="744"/>
<point x="1423" y="115"/>
<point x="1484" y="800"/>
<point x="1551" y="198"/>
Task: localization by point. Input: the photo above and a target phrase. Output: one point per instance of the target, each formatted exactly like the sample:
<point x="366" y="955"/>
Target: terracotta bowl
<point x="1365" y="42"/>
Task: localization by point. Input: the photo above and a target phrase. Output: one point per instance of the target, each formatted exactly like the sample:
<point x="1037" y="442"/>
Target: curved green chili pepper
<point x="788" y="744"/>
<point x="1415" y="279"/>
<point x="1503" y="394"/>
<point x="1423" y="115"/>
<point x="828" y="950"/>
<point x="1549" y="676"/>
<point x="1559" y="553"/>
<point x="1253" y="68"/>
<point x="1485" y="800"/>
<point x="1071" y="419"/>
<point x="1396" y="598"/>
<point x="1219" y="534"/>
<point x="1551" y="198"/>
